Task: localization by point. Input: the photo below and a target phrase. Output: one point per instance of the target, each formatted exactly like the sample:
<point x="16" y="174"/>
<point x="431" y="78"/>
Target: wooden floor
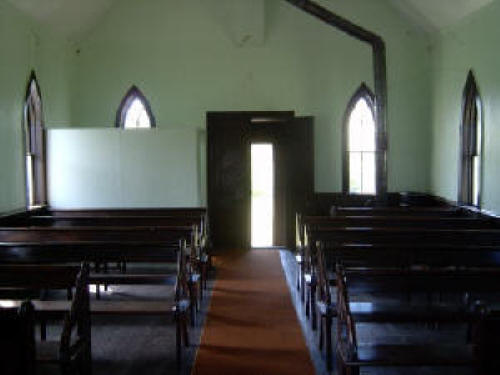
<point x="251" y="326"/>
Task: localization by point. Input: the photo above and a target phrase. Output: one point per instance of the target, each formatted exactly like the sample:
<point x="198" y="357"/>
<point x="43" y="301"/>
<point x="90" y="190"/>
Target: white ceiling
<point x="73" y="18"/>
<point x="436" y="15"/>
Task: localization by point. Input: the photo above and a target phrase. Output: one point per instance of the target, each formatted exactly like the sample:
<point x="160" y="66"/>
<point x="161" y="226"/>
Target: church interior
<point x="249" y="187"/>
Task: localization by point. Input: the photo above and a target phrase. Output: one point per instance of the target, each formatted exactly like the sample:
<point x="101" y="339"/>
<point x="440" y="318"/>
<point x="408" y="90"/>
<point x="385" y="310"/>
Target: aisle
<point x="251" y="327"/>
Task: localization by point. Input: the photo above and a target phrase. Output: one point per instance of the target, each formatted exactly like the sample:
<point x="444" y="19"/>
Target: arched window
<point x="134" y="111"/>
<point x="360" y="144"/>
<point x="34" y="136"/>
<point x="471" y="135"/>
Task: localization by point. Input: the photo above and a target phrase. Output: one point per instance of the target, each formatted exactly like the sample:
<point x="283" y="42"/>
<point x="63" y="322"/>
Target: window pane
<point x="361" y="128"/>
<point x="368" y="172"/>
<point x="30" y="189"/>
<point x="137" y="116"/>
<point x="476" y="179"/>
<point x="355" y="175"/>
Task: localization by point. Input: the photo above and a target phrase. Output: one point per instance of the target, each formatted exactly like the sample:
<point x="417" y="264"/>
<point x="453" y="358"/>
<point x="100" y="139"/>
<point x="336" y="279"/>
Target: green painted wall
<point x="23" y="47"/>
<point x="473" y="44"/>
<point x="192" y="56"/>
<point x="15" y="46"/>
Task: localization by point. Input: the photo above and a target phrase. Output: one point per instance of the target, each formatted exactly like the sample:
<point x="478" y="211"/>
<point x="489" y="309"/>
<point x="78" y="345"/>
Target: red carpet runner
<point x="251" y="327"/>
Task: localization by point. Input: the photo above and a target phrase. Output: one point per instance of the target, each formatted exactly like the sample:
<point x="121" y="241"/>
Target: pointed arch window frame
<point x="34" y="148"/>
<point x="363" y="92"/>
<point x="133" y="93"/>
<point x="471" y="145"/>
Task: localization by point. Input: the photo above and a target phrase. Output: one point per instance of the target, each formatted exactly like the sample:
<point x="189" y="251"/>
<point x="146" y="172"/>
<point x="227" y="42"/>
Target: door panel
<point x="298" y="171"/>
<point x="228" y="177"/>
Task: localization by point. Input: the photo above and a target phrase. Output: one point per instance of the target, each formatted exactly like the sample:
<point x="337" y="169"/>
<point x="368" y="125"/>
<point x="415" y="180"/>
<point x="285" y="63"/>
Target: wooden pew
<point x="373" y="235"/>
<point x="73" y="350"/>
<point x="404" y="281"/>
<point x="401" y="210"/>
<point x="405" y="217"/>
<point x="335" y="237"/>
<point x="196" y="243"/>
<point x="39" y="229"/>
<point x="17" y="341"/>
<point x="176" y="309"/>
<point x="161" y="211"/>
<point x="405" y="255"/>
<point x="199" y="213"/>
<point x="67" y="251"/>
<point x="92" y="233"/>
<point x="145" y="235"/>
<point x="398" y="238"/>
<point x="402" y="221"/>
<point x="351" y="355"/>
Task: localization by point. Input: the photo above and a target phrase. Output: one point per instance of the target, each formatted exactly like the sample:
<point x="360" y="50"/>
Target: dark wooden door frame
<point x="379" y="72"/>
<point x="262" y="122"/>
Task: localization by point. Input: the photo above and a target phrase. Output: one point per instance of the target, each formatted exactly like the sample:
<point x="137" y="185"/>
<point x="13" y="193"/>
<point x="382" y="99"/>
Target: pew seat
<point x="57" y="309"/>
<point x="388" y="312"/>
<point x="411" y="355"/>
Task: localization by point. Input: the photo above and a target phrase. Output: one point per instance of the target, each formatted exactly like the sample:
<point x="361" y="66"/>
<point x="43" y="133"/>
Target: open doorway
<point x="229" y="139"/>
<point x="262" y="194"/>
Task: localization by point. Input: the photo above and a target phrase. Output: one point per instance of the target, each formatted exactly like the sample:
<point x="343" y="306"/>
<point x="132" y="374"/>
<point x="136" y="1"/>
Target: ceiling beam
<point x="379" y="73"/>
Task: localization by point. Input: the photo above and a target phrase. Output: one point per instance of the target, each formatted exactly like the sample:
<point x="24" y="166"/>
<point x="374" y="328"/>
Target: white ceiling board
<point x="71" y="18"/>
<point x="435" y="15"/>
<point x="243" y="19"/>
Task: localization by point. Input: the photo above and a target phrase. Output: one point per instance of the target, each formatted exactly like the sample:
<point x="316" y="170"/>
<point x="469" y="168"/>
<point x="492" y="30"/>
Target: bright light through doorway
<point x="262" y="195"/>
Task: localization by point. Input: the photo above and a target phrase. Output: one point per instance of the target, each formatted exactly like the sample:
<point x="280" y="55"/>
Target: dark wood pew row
<point x="195" y="242"/>
<point x="17" y="341"/>
<point x="73" y="350"/>
<point x="371" y="215"/>
<point x="379" y="213"/>
<point x="335" y="237"/>
<point x="403" y="240"/>
<point x="401" y="257"/>
<point x="406" y="255"/>
<point x="144" y="234"/>
<point x="431" y="222"/>
<point x="352" y="355"/>
<point x="161" y="211"/>
<point x="100" y="251"/>
<point x="399" y="218"/>
<point x="405" y="282"/>
<point x="152" y="218"/>
<point x="93" y="233"/>
<point x="133" y="216"/>
<point x="166" y="234"/>
<point x="101" y="245"/>
<point x="198" y="213"/>
<point x="373" y="235"/>
<point x="176" y="310"/>
<point x="441" y="211"/>
<point x="402" y="221"/>
<point x="113" y="221"/>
